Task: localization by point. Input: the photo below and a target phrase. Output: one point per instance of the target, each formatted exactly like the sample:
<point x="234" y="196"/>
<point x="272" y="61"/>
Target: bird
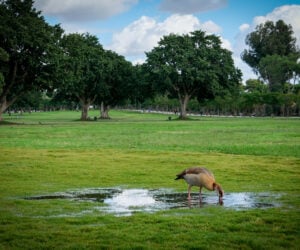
<point x="201" y="177"/>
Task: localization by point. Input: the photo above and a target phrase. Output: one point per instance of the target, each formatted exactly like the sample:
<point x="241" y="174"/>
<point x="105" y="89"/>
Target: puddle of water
<point x="92" y="194"/>
<point x="124" y="202"/>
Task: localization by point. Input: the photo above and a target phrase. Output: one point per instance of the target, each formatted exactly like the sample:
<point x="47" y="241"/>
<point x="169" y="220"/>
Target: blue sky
<point x="131" y="27"/>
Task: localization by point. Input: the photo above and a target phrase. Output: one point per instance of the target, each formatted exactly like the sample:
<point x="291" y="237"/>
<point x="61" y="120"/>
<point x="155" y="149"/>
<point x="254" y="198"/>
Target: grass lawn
<point x="46" y="153"/>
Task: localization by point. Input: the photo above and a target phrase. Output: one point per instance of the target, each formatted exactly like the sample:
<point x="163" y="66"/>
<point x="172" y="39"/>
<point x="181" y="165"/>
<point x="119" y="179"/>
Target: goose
<point x="200" y="177"/>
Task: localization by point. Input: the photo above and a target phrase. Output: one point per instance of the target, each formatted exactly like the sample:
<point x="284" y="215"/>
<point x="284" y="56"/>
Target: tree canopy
<point x="117" y="77"/>
<point x="272" y="53"/>
<point x="27" y="44"/>
<point x="193" y="65"/>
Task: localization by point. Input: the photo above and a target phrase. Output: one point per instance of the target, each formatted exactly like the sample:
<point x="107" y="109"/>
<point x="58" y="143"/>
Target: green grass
<point x="127" y="130"/>
<point x="42" y="153"/>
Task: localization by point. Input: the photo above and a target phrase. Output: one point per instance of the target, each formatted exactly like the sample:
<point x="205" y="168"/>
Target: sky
<point x="133" y="27"/>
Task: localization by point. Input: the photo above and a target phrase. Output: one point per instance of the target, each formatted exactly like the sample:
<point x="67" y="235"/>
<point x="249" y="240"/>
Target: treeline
<point x="245" y="104"/>
<point x="43" y="68"/>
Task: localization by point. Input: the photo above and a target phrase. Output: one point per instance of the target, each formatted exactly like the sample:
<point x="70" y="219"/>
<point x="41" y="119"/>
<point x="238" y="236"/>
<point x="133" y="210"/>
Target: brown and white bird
<point x="200" y="177"/>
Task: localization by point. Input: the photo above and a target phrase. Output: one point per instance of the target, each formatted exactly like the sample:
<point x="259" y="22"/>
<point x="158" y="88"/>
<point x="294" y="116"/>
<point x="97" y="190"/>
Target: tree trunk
<point x="104" y="109"/>
<point x="4" y="104"/>
<point x="84" y="111"/>
<point x="3" y="107"/>
<point x="183" y="106"/>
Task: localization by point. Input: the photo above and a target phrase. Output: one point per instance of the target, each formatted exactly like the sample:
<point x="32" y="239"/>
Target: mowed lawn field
<point x="52" y="152"/>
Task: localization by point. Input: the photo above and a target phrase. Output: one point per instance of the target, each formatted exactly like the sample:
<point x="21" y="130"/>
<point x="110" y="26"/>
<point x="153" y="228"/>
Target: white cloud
<point x="143" y="34"/>
<point x="244" y="27"/>
<point x="191" y="6"/>
<point x="226" y="44"/>
<point x="288" y="13"/>
<point x="135" y="38"/>
<point x="211" y="27"/>
<point x="138" y="61"/>
<point x="87" y="10"/>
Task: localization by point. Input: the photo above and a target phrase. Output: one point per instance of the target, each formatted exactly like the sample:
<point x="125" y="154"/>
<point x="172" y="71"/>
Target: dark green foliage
<point x="83" y="68"/>
<point x="117" y="82"/>
<point x="29" y="44"/>
<point x="141" y="86"/>
<point x="92" y="75"/>
<point x="273" y="53"/>
<point x="3" y="58"/>
<point x="255" y="86"/>
<point x="269" y="39"/>
<point x="277" y="70"/>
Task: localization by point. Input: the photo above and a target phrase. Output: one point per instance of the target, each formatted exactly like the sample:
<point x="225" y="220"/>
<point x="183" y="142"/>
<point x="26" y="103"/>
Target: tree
<point x="276" y="71"/>
<point x="255" y="86"/>
<point x="140" y="86"/>
<point x="83" y="68"/>
<point x="31" y="101"/>
<point x="117" y="76"/>
<point x="272" y="53"/>
<point x="28" y="44"/>
<point x="191" y="66"/>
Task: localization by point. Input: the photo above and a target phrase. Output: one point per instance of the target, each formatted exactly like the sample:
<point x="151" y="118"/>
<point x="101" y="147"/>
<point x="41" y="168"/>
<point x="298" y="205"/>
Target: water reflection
<point x="126" y="201"/>
<point x="179" y="200"/>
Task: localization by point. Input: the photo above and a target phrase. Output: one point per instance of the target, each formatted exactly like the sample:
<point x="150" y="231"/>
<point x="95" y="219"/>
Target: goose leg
<point x="189" y="192"/>
<point x="200" y="195"/>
